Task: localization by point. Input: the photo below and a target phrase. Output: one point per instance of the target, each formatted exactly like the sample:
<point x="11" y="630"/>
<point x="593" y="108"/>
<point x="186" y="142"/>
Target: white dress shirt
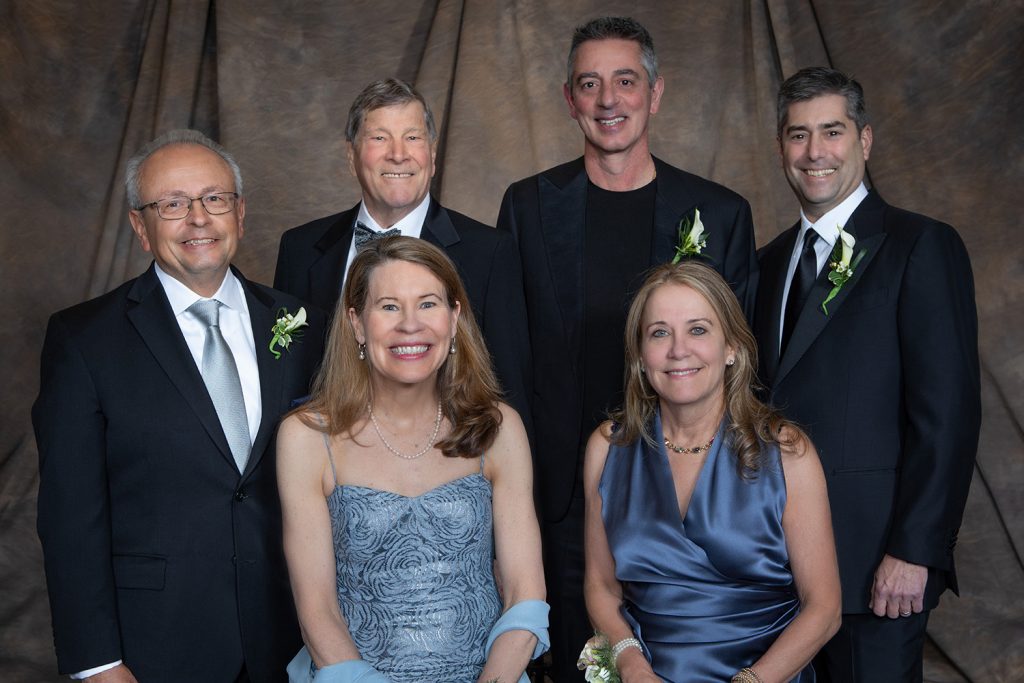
<point x="826" y="227"/>
<point x="236" y="326"/>
<point x="411" y="225"/>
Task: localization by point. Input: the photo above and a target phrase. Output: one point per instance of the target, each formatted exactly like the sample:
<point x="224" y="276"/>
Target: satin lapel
<point x="563" y="221"/>
<point x="438" y="228"/>
<point x="263" y="314"/>
<point x="867" y="221"/>
<point x="671" y="204"/>
<point x="327" y="272"/>
<point x="769" y="310"/>
<point x="152" y="317"/>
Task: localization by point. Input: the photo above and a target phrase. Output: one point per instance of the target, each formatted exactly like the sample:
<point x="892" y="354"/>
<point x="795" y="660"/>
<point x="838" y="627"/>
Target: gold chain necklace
<point x="696" y="450"/>
<point x="400" y="454"/>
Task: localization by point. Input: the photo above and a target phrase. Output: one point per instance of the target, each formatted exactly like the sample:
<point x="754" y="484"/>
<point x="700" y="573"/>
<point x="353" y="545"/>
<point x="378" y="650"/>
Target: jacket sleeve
<point x="73" y="506"/>
<point x="740" y="266"/>
<point x="938" y="331"/>
<point x="506" y="328"/>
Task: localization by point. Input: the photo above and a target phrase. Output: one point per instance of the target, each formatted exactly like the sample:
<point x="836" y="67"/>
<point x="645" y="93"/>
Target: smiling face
<point x="406" y="324"/>
<point x="823" y="156"/>
<point x="610" y="98"/>
<point x="392" y="157"/>
<point x="683" y="349"/>
<point x="195" y="250"/>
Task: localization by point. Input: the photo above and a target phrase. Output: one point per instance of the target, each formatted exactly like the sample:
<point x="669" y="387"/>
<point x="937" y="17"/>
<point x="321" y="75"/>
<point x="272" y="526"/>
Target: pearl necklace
<point x="696" y="450"/>
<point x="400" y="454"/>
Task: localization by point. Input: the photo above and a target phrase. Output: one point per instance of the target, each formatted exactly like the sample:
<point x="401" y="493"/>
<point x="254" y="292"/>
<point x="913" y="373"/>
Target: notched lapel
<point x="769" y="304"/>
<point x="438" y="228"/>
<point x="325" y="275"/>
<point x="812" y="318"/>
<point x="150" y="314"/>
<point x="263" y="314"/>
<point x="563" y="211"/>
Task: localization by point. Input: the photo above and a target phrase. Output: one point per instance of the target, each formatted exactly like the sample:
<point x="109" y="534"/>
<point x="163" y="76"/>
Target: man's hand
<point x="899" y="588"/>
<point x="119" y="674"/>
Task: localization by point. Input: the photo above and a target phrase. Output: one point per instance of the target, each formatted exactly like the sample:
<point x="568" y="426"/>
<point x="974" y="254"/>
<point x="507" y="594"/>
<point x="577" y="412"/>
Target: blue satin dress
<point x="706" y="594"/>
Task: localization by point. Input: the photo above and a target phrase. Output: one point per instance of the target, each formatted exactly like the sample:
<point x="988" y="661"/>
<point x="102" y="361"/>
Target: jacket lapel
<point x="327" y="272"/>
<point x="563" y="206"/>
<point x="150" y="313"/>
<point x="263" y="314"/>
<point x="866" y="225"/>
<point x="671" y="203"/>
<point x="774" y="264"/>
<point x="438" y="228"/>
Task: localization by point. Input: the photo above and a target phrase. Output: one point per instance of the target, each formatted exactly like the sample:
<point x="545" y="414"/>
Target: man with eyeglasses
<point x="392" y="147"/>
<point x="158" y="509"/>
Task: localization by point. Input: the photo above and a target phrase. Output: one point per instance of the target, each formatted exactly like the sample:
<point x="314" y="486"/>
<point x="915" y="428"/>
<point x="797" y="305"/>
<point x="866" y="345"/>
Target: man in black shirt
<point x="587" y="230"/>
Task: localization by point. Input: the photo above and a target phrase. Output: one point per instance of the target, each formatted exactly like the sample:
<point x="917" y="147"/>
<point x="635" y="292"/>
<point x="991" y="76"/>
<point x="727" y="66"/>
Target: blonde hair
<point x="752" y="423"/>
<point x="466" y="385"/>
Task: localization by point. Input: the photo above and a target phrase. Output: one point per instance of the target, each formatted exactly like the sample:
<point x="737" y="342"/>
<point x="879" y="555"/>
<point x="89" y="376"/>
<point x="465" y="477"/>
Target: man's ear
<point x="866" y="138"/>
<point x="567" y="92"/>
<point x="139" y="228"/>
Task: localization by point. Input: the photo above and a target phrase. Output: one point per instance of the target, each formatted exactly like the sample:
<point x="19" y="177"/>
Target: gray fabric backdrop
<point x="86" y="83"/>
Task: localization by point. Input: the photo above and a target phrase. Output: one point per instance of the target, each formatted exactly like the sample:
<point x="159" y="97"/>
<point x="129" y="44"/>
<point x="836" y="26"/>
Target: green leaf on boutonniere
<point x="692" y="237"/>
<point x="286" y="329"/>
<point x="841" y="264"/>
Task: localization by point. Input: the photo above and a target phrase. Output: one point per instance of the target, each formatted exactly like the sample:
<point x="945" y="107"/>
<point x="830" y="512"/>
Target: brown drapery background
<point x="86" y="83"/>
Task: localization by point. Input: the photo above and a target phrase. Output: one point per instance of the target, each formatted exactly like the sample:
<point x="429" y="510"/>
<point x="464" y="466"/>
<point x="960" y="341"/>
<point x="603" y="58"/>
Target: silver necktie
<point x="221" y="376"/>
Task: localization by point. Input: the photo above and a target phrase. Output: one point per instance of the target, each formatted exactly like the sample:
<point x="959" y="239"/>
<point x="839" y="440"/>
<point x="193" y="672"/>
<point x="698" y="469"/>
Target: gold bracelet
<point x="746" y="675"/>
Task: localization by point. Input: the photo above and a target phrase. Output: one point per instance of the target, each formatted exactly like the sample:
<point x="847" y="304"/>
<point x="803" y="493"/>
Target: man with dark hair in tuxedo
<point x="868" y="338"/>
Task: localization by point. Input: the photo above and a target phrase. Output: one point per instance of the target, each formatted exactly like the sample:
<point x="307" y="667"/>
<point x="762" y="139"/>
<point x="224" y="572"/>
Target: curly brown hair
<point x="752" y="423"/>
<point x="466" y="384"/>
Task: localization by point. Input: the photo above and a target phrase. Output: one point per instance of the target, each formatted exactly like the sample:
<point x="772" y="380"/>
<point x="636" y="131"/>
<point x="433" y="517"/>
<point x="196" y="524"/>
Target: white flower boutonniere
<point x="286" y="329"/>
<point x="840" y="265"/>
<point x="596" y="661"/>
<point x="692" y="237"/>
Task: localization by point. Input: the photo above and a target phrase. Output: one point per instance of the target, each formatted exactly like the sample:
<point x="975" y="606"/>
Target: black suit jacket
<point x="547" y="215"/>
<point x="157" y="551"/>
<point x="887" y="386"/>
<point x="311" y="265"/>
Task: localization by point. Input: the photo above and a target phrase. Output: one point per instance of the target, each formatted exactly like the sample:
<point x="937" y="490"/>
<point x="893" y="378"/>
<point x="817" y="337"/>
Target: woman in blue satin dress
<point x="708" y="537"/>
<point x="402" y="481"/>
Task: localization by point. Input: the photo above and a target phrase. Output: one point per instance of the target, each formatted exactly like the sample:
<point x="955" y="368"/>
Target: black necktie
<point x="803" y="279"/>
<point x="364" y="235"/>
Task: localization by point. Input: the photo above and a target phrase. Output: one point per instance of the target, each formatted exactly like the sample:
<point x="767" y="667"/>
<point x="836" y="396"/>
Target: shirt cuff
<point x="95" y="670"/>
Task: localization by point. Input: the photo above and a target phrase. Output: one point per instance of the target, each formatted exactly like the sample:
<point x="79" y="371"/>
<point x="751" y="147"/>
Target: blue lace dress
<point x="416" y="577"/>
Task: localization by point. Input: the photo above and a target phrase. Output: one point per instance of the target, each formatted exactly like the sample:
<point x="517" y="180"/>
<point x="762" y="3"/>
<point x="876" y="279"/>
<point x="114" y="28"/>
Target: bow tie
<point x="364" y="235"/>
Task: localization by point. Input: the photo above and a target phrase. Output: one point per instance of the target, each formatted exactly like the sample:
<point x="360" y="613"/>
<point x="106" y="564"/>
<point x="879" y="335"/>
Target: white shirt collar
<point x="411" y="225"/>
<point x="838" y="216"/>
<point x="181" y="297"/>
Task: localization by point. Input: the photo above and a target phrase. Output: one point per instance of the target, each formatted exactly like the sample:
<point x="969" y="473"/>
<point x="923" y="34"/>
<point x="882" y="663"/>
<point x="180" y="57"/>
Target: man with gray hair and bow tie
<point x="158" y="508"/>
<point x="392" y="149"/>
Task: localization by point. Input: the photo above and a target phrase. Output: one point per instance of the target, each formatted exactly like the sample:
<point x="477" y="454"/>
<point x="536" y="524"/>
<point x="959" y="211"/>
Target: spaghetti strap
<point x="481" y="463"/>
<point x="330" y="456"/>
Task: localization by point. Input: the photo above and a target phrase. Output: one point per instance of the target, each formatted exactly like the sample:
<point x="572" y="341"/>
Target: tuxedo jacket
<point x="547" y="215"/>
<point x="311" y="265"/>
<point x="157" y="551"/>
<point x="886" y="384"/>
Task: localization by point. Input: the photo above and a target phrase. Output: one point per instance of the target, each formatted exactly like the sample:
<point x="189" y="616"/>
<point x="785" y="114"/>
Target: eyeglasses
<point x="174" y="208"/>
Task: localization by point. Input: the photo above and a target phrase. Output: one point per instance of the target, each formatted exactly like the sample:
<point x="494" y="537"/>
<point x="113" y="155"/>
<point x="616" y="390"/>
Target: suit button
<point x="241" y="495"/>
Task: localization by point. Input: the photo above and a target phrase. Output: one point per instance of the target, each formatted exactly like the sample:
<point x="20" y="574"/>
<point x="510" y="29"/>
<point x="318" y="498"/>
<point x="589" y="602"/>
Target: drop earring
<point x="362" y="352"/>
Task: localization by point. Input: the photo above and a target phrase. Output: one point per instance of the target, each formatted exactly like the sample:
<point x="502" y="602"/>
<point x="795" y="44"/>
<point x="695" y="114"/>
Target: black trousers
<point x="870" y="649"/>
<point x="563" y="573"/>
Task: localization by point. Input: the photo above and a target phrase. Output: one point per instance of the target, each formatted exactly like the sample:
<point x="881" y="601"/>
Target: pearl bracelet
<point x="622" y="646"/>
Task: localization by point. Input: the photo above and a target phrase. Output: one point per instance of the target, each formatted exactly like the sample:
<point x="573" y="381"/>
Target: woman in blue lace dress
<point x="403" y="482"/>
<point x="708" y="538"/>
